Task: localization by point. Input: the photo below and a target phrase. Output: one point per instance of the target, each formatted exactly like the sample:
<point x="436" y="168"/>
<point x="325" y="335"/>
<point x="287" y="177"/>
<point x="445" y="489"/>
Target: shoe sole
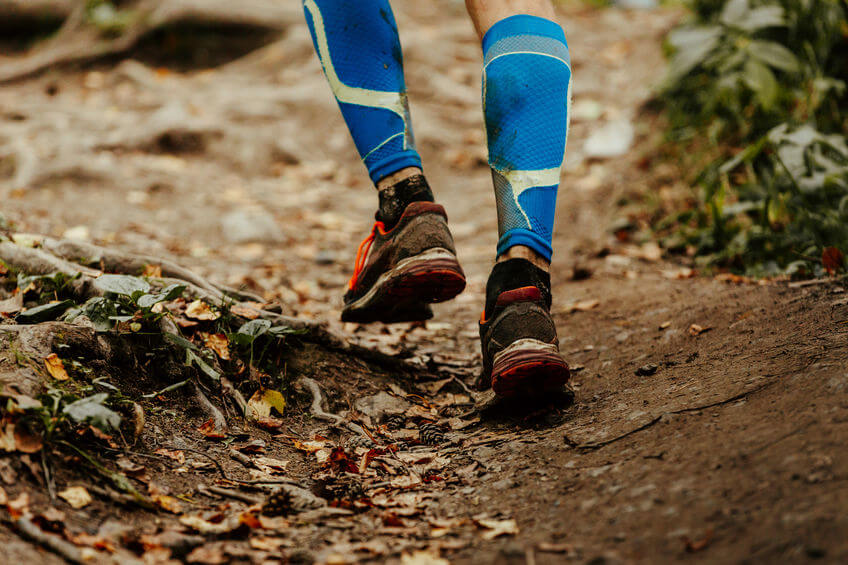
<point x="403" y="293"/>
<point x="528" y="367"/>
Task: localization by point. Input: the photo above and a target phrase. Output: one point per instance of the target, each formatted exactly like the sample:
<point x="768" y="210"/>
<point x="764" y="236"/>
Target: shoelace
<point x="362" y="253"/>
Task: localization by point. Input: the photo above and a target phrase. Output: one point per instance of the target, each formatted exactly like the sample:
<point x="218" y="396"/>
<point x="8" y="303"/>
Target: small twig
<point x="170" y="388"/>
<point x="598" y="444"/>
<point x="48" y="477"/>
<point x="229" y="493"/>
<point x="224" y="473"/>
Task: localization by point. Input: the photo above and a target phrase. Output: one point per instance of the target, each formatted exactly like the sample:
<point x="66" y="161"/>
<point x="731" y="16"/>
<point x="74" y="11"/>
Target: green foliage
<point x="765" y="81"/>
<point x="126" y="299"/>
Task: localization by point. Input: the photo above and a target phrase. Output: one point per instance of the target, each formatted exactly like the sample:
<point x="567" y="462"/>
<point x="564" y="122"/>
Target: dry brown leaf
<point x="199" y="310"/>
<point x="583" y="305"/>
<point x="665" y="325"/>
<point x="176" y="455"/>
<point x="832" y="260"/>
<point x="203" y="526"/>
<point x="684" y="273"/>
<point x="168" y="503"/>
<point x="13" y="304"/>
<point x="422" y="558"/>
<point x="19" y="505"/>
<point x="209" y="430"/>
<point x="7" y="437"/>
<point x="55" y="367"/>
<point x="696" y="330"/>
<point x="77" y="497"/>
<point x="249" y="310"/>
<point x="152" y="271"/>
<point x="693" y="546"/>
<point x="26" y="441"/>
<point x="4" y="498"/>
<point x="268" y="544"/>
<point x="546" y="547"/>
<point x="309" y="446"/>
<point x="217" y="343"/>
<point x="497" y="528"/>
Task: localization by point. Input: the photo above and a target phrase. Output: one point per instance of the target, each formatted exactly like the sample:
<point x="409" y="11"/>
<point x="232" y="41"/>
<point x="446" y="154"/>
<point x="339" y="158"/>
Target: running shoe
<point x="518" y="337"/>
<point x="400" y="271"/>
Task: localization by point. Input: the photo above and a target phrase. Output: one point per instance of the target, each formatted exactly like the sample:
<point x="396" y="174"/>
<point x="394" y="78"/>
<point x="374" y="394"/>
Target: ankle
<point x="515" y="273"/>
<point x="395" y="197"/>
<point x="397" y="176"/>
<point x="522" y="252"/>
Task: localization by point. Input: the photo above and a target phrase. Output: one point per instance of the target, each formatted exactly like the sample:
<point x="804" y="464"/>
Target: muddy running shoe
<point x="519" y="339"/>
<point x="400" y="271"/>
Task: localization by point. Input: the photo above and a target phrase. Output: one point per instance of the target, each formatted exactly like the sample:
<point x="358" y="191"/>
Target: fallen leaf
<point x="733" y="278"/>
<point x="210" y="554"/>
<point x="696" y="330"/>
<point x="199" y="310"/>
<point x="583" y="305"/>
<point x="152" y="271"/>
<point x="497" y="528"/>
<point x="19" y="505"/>
<point x="13" y="304"/>
<point x="209" y="430"/>
<point x="308" y="446"/>
<point x="55" y="367"/>
<point x="176" y="455"/>
<point x="271" y="424"/>
<point x="77" y="497"/>
<point x="684" y="273"/>
<point x="169" y="503"/>
<point x="698" y="545"/>
<point x="222" y="526"/>
<point x="263" y="401"/>
<point x="249" y="310"/>
<point x="268" y="544"/>
<point x="832" y="260"/>
<point x="546" y="547"/>
<point x="26" y="441"/>
<point x="422" y="558"/>
<point x="4" y="498"/>
<point x="664" y="325"/>
<point x="270" y="465"/>
<point x="217" y="343"/>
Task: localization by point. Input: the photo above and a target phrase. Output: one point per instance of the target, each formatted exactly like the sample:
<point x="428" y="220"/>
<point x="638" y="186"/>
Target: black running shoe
<point x="400" y="271"/>
<point x="518" y="337"/>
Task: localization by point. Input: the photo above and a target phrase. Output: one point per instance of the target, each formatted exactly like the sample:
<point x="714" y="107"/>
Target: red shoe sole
<point x="529" y="371"/>
<point x="405" y="293"/>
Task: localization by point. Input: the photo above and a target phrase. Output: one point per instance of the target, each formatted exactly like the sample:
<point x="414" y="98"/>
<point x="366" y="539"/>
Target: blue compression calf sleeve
<point x="526" y="97"/>
<point x="359" y="49"/>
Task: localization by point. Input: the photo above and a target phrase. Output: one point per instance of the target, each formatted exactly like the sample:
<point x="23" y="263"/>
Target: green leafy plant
<point x="759" y="85"/>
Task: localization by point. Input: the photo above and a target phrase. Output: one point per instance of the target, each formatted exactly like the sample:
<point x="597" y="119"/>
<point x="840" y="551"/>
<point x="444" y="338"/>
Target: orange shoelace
<point x="362" y="253"/>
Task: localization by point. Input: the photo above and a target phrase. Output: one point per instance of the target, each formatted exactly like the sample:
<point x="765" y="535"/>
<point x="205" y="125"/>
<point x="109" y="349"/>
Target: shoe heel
<point x="528" y="367"/>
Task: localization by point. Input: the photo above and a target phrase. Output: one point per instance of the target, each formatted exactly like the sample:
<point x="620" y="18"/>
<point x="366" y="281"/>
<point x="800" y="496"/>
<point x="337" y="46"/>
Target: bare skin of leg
<point x="484" y="14"/>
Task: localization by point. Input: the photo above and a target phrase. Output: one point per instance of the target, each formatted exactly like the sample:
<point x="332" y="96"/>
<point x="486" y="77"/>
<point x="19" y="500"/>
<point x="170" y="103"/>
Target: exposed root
<point x="57" y="545"/>
<point x="317" y="409"/>
<point x="212" y="411"/>
<point x="79" y="41"/>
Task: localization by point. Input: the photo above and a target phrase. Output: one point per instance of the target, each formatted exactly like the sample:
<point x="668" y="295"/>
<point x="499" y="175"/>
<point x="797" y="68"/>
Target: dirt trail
<point x="728" y="448"/>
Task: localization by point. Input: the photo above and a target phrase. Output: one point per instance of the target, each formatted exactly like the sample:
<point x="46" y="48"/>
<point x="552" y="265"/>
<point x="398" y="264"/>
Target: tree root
<point x="57" y="545"/>
<point x="78" y="40"/>
<point x="317" y="409"/>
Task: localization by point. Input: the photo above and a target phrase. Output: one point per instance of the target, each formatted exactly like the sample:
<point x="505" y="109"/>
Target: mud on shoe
<point x="518" y="337"/>
<point x="400" y="271"/>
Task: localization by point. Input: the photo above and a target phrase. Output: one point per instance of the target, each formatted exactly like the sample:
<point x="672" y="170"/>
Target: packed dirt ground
<point x="709" y="417"/>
